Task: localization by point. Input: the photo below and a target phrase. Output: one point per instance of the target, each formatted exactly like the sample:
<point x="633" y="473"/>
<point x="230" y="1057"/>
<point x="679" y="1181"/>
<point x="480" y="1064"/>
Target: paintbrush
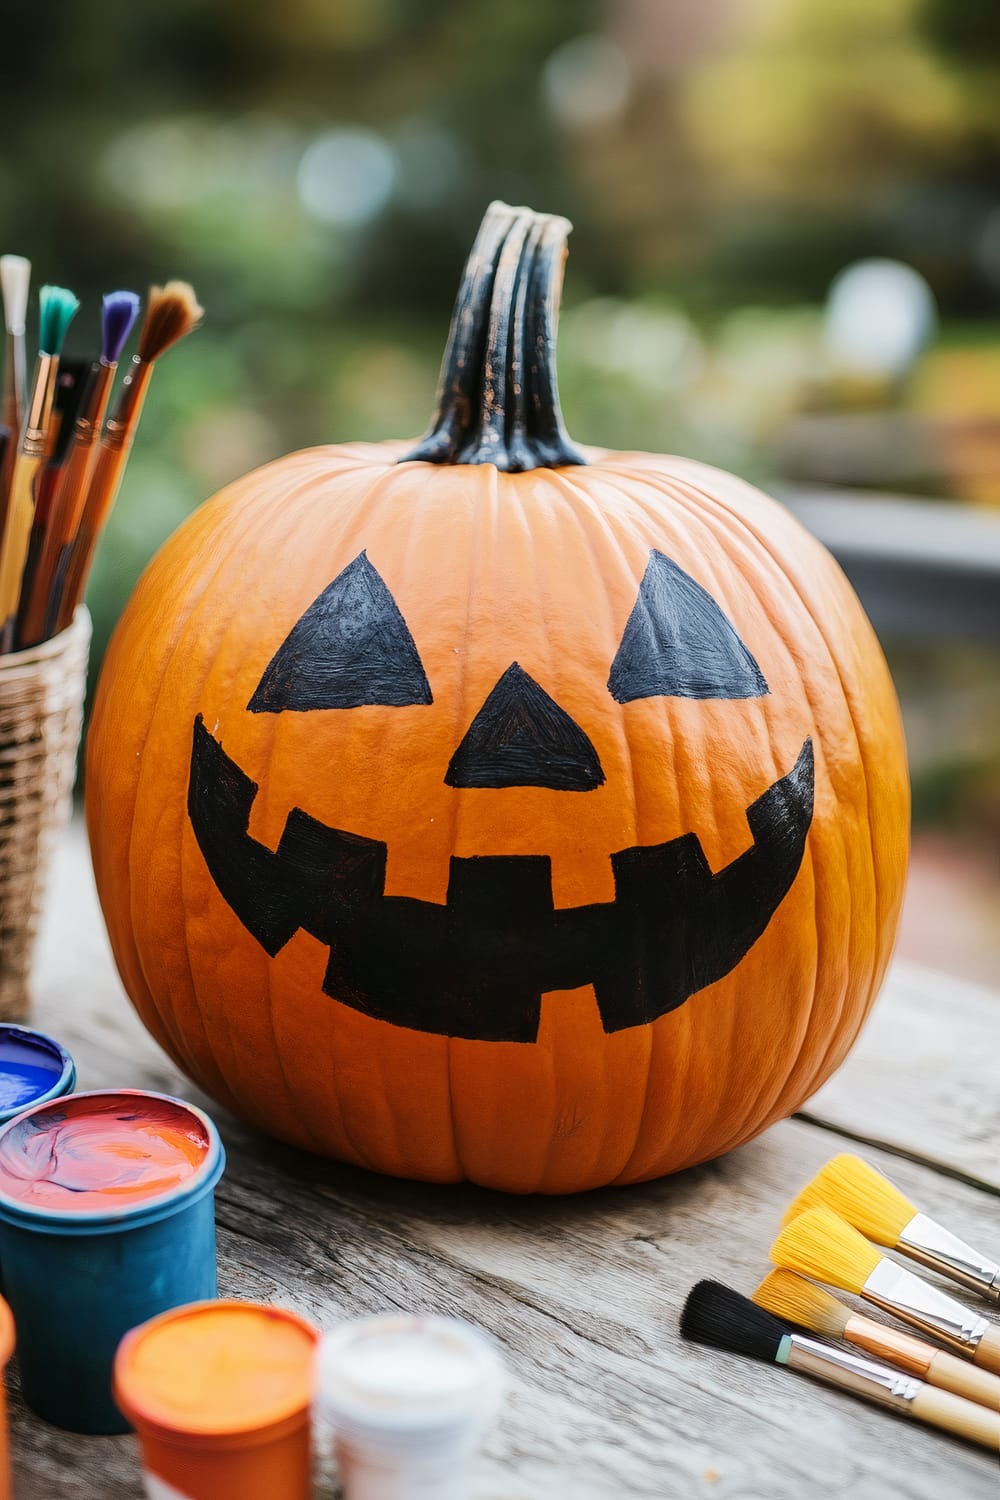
<point x="171" y="313"/>
<point x="860" y="1194"/>
<point x="795" y="1300"/>
<point x="39" y="611"/>
<point x="57" y="307"/>
<point x="71" y="391"/>
<point x="714" y="1314"/>
<point x="821" y="1245"/>
<point x="15" y="278"/>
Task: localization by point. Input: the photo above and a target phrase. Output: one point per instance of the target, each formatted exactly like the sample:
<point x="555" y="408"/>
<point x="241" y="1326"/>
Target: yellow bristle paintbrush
<point x="716" y="1315"/>
<point x="796" y="1300"/>
<point x="57" y="307"/>
<point x="872" y="1204"/>
<point x="821" y="1245"/>
<point x="171" y="312"/>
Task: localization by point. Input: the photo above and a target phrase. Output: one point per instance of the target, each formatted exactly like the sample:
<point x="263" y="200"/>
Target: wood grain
<point x="583" y="1294"/>
<point x="924" y="1078"/>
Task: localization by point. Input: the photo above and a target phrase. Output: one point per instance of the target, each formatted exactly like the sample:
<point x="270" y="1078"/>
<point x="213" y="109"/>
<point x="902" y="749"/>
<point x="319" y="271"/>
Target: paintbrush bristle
<point x="57" y="308"/>
<point x="715" y="1314"/>
<point x="15" y="278"/>
<point x="119" y="311"/>
<point x="798" y="1301"/>
<point x="819" y="1244"/>
<point x="172" y="312"/>
<point x="861" y="1195"/>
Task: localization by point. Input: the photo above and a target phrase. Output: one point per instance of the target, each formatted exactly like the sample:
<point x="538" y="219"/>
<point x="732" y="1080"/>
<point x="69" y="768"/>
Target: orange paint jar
<point x="220" y="1395"/>
<point x="6" y="1350"/>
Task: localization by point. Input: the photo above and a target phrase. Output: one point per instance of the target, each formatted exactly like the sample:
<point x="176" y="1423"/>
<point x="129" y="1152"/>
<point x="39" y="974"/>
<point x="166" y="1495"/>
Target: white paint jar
<point x="409" y="1400"/>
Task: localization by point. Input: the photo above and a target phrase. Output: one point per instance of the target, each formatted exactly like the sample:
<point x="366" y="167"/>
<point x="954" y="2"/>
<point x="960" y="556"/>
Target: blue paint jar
<point x="33" y="1068"/>
<point x="107" y="1217"/>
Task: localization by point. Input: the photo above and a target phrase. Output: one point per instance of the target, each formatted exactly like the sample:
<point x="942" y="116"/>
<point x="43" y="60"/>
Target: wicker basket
<point x="41" y="714"/>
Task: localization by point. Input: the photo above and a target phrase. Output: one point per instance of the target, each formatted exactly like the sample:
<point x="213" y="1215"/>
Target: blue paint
<point x="33" y="1068"/>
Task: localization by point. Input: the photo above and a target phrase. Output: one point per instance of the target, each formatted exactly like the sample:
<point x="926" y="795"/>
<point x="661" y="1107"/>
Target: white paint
<point x="409" y="1399"/>
<point x="408" y="1373"/>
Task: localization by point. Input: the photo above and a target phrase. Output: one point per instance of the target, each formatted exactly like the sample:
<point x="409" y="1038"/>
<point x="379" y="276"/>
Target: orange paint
<point x="87" y="1153"/>
<point x="220" y="1393"/>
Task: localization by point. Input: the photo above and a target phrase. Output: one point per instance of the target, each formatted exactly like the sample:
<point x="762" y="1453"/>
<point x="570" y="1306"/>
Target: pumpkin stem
<point x="498" y="399"/>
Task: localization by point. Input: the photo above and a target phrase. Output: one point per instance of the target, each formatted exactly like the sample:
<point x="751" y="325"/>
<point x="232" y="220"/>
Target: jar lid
<point x="408" y="1373"/>
<point x="216" y="1370"/>
<point x="105" y="1156"/>
<point x="33" y="1068"/>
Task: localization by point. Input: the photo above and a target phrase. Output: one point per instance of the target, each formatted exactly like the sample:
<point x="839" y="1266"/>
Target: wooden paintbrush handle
<point x="964" y="1418"/>
<point x="952" y="1374"/>
<point x="988" y="1354"/>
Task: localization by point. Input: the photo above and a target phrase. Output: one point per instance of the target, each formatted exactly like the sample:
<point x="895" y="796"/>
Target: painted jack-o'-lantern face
<point x="495" y="809"/>
<point x="478" y="965"/>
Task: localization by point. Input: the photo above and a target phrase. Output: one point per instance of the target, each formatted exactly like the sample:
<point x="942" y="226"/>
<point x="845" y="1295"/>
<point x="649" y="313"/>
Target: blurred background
<point x="786" y="261"/>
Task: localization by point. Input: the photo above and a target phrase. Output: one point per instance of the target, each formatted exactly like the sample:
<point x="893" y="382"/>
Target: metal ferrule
<point x="903" y="1350"/>
<point x="865" y="1377"/>
<point x="899" y="1292"/>
<point x="86" y="423"/>
<point x="925" y="1240"/>
<point x="120" y="429"/>
<point x="39" y="414"/>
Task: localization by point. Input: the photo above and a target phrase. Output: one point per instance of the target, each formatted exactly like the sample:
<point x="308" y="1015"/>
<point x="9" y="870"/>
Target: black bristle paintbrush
<point x="716" y="1315"/>
<point x="38" y="618"/>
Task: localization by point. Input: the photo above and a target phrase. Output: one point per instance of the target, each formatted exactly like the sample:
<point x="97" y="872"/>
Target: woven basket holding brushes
<point x="41" y="716"/>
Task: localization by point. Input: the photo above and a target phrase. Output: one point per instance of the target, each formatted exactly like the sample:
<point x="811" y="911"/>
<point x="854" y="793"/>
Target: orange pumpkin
<point x="496" y="809"/>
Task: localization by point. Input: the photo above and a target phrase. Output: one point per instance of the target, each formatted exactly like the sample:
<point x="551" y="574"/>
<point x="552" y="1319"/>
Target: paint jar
<point x="106" y="1219"/>
<point x="409" y="1400"/>
<point x="6" y="1350"/>
<point x="220" y="1395"/>
<point x="33" y="1068"/>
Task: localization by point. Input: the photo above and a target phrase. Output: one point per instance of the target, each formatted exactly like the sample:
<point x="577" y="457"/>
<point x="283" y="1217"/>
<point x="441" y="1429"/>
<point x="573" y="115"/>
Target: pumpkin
<point x="495" y="808"/>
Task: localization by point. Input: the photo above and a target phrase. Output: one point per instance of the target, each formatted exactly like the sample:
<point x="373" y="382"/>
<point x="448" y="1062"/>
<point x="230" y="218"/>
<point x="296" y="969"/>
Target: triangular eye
<point x="351" y="647"/>
<point x="677" y="643"/>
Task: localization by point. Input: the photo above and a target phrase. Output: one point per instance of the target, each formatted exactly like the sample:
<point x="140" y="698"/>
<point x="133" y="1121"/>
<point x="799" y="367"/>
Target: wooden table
<point x="583" y="1294"/>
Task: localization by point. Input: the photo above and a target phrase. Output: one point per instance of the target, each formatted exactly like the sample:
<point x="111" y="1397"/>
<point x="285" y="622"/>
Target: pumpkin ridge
<point x="879" y="961"/>
<point x="738" y="526"/>
<point x="692" y="499"/>
<point x="592" y="510"/>
<point x="185" y="626"/>
<point x="679" y="491"/>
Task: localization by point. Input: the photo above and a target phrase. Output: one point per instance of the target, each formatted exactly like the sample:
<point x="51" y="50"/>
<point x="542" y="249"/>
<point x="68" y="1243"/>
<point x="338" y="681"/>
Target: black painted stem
<point x="498" y="399"/>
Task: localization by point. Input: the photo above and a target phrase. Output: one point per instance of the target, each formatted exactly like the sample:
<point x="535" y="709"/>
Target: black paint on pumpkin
<point x="677" y="643"/>
<point x="351" y="647"/>
<point x="521" y="737"/>
<point x="478" y="965"/>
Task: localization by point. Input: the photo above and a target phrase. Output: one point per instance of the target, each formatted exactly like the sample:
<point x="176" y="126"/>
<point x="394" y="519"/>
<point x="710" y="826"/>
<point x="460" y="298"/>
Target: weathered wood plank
<point x="924" y="1078"/>
<point x="582" y="1293"/>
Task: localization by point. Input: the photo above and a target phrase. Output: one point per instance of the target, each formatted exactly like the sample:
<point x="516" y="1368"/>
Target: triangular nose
<point x="521" y="737"/>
